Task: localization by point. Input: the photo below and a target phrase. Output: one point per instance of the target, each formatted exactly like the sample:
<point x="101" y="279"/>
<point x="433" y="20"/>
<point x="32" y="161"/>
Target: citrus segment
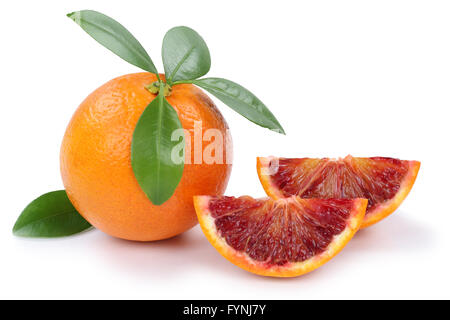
<point x="281" y="238"/>
<point x="385" y="182"/>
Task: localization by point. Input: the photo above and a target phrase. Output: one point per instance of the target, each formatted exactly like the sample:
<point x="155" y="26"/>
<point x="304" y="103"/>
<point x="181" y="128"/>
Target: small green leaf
<point x="242" y="101"/>
<point x="153" y="164"/>
<point x="185" y="55"/>
<point x="112" y="35"/>
<point x="50" y="215"/>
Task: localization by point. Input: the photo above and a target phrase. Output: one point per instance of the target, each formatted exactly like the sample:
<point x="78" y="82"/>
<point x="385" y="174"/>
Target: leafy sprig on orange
<point x="185" y="58"/>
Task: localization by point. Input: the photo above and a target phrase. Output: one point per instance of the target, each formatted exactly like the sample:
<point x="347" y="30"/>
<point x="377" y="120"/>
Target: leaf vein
<point x="48" y="217"/>
<point x="178" y="66"/>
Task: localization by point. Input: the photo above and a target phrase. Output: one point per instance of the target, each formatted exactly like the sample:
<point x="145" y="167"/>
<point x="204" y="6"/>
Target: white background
<point x="369" y="78"/>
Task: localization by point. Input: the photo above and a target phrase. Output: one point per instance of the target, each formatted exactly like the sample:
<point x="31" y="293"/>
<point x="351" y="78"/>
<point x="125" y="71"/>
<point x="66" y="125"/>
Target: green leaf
<point x="114" y="37"/>
<point x="154" y="167"/>
<point x="50" y="215"/>
<point x="242" y="101"/>
<point x="185" y="55"/>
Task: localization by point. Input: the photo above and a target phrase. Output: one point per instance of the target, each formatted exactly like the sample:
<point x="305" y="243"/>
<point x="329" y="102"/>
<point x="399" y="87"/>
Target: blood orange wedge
<point x="280" y="238"/>
<point x="385" y="182"/>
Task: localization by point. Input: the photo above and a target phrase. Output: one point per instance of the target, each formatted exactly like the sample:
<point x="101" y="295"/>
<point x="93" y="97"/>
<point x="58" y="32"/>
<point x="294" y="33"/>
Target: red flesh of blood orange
<point x="282" y="238"/>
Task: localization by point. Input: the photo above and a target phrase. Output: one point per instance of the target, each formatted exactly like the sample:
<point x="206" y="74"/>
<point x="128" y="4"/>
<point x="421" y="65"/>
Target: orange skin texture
<point x="96" y="160"/>
<point x="293" y="269"/>
<point x="381" y="212"/>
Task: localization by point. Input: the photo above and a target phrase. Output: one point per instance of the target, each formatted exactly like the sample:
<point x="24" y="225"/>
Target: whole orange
<point x="96" y="160"/>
